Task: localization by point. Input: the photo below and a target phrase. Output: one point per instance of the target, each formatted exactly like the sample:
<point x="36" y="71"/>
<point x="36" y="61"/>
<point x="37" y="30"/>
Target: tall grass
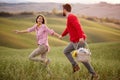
<point x="15" y="65"/>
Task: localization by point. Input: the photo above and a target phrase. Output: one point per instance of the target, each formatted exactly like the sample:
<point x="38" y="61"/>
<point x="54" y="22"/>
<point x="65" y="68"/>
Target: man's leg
<point x="67" y="52"/>
<point x="89" y="66"/>
<point x="86" y="64"/>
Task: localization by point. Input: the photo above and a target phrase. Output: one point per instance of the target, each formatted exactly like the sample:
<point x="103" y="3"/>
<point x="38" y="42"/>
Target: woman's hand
<point x="57" y="35"/>
<point x="17" y="31"/>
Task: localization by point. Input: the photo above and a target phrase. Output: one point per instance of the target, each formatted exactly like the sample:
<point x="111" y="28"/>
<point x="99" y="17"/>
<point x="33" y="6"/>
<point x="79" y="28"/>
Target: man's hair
<point x="67" y="7"/>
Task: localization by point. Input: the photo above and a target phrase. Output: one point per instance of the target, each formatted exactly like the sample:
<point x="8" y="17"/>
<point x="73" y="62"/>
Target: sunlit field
<point x="103" y="39"/>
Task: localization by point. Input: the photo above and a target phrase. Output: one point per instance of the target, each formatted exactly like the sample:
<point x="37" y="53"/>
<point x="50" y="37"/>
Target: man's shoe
<point x="95" y="77"/>
<point x="76" y="68"/>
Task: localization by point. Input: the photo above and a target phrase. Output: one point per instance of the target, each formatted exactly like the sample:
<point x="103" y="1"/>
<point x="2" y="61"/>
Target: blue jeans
<point x="72" y="46"/>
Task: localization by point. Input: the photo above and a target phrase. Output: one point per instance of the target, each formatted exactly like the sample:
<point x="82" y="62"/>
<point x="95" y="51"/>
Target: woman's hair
<point x="67" y="7"/>
<point x="42" y="18"/>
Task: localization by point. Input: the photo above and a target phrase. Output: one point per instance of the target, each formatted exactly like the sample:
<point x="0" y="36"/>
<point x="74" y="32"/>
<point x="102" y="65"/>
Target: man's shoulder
<point x="72" y="16"/>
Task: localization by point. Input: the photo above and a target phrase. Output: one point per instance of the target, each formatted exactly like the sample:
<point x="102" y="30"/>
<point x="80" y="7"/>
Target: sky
<point x="64" y="1"/>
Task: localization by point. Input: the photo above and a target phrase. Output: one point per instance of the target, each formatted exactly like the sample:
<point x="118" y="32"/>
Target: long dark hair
<point x="42" y="18"/>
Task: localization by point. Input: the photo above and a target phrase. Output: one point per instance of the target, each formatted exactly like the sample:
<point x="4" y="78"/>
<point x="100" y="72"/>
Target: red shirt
<point x="74" y="29"/>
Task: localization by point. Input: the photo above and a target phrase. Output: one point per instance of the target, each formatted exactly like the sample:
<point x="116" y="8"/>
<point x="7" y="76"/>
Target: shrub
<point x="26" y="13"/>
<point x="5" y="14"/>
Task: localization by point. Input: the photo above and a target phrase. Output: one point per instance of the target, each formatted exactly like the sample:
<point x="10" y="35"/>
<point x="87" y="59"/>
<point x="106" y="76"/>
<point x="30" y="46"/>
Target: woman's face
<point x="39" y="20"/>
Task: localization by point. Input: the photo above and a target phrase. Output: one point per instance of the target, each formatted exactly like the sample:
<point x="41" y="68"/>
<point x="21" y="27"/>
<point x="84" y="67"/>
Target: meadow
<point x="103" y="39"/>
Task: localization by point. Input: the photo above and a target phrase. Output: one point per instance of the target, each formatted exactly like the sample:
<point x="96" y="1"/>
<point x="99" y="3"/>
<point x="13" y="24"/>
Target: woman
<point x="42" y="32"/>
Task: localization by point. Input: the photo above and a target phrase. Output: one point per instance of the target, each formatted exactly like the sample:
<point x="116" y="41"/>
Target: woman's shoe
<point x="47" y="61"/>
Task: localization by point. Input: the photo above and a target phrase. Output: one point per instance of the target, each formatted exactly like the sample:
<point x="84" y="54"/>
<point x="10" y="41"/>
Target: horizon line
<point x="59" y="2"/>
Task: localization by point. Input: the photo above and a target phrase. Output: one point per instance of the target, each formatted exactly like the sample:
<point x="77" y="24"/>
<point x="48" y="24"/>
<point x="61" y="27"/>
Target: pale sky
<point x="63" y="1"/>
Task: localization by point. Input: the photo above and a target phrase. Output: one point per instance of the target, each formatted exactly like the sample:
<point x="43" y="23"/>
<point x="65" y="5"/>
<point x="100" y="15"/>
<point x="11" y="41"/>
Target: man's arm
<point x="65" y="32"/>
<point x="74" y="22"/>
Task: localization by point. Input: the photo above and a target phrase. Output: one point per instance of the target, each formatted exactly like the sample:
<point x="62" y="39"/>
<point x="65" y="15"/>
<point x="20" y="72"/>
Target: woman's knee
<point x="30" y="57"/>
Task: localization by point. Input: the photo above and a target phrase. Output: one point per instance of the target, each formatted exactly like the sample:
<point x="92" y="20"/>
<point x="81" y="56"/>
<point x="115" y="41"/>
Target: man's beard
<point x="64" y="14"/>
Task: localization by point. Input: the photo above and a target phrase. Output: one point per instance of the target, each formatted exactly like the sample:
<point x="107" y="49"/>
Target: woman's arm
<point x="57" y="35"/>
<point x="27" y="30"/>
<point x="22" y="31"/>
<point x="52" y="32"/>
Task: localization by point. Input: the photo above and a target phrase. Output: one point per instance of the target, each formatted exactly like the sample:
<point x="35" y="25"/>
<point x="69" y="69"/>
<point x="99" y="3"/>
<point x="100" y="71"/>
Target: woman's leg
<point x="44" y="58"/>
<point x="41" y="49"/>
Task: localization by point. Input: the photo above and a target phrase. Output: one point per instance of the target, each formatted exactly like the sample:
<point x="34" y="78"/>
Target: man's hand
<point x="81" y="40"/>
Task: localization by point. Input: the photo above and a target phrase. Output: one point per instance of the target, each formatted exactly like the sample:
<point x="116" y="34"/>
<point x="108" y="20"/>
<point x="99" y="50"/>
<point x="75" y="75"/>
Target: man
<point x="77" y="38"/>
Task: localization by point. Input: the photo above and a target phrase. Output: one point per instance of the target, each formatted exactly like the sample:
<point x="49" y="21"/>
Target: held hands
<point x="60" y="37"/>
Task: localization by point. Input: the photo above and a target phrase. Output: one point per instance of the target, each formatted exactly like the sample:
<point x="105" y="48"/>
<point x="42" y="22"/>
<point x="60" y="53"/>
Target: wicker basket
<point x="83" y="55"/>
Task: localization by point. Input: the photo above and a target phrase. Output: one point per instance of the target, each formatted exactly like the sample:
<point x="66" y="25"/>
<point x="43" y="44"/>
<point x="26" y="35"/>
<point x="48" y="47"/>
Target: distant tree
<point x="83" y="16"/>
<point x="5" y="14"/>
<point x="54" y="11"/>
<point x="60" y="14"/>
<point x="26" y="13"/>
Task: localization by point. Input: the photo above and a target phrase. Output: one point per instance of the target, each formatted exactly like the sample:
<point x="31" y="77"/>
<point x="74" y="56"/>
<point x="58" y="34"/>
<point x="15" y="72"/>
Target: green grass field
<point x="96" y="32"/>
<point x="103" y="39"/>
<point x="15" y="65"/>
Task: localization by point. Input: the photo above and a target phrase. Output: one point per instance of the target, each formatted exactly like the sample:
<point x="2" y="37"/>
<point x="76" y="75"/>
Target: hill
<point x="99" y="10"/>
<point x="96" y="31"/>
<point x="10" y="39"/>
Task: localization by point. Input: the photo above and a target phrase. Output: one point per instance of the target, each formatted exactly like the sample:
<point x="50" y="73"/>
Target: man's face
<point x="64" y="12"/>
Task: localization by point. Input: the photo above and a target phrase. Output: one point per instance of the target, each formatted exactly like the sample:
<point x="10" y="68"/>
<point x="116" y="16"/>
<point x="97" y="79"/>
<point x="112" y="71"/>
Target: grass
<point x="96" y="32"/>
<point x="14" y="50"/>
<point x="16" y="66"/>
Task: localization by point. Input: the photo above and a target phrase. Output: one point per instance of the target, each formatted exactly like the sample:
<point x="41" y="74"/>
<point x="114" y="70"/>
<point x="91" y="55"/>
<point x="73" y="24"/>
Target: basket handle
<point x="85" y="45"/>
